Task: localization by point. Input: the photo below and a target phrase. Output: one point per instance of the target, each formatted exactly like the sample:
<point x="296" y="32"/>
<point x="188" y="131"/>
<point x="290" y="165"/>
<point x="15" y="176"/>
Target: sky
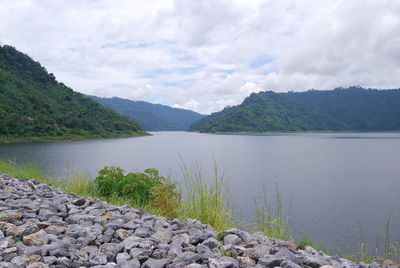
<point x="206" y="54"/>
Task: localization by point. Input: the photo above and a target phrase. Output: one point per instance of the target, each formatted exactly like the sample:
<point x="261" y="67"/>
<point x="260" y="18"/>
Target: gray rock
<point x="50" y="260"/>
<point x="187" y="258"/>
<point x="140" y="253"/>
<point x="130" y="264"/>
<point x="97" y="258"/>
<point x="111" y="250"/>
<point x="64" y="261"/>
<point x="245" y="236"/>
<point x="154" y="263"/>
<point x="289" y="264"/>
<point x="258" y="251"/>
<point x="314" y="261"/>
<point x="223" y="262"/>
<point x="286" y="254"/>
<point x="143" y="232"/>
<point x="232" y="239"/>
<point x="270" y="261"/>
<point x="122" y="257"/>
<point x="261" y="238"/>
<point x="211" y="243"/>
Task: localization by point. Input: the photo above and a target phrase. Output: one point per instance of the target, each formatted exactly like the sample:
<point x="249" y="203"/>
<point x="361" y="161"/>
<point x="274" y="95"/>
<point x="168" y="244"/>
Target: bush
<point x="166" y="199"/>
<point x="134" y="186"/>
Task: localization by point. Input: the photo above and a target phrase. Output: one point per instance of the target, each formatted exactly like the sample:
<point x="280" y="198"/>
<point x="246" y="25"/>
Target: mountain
<point x="341" y="109"/>
<point x="151" y="116"/>
<point x="33" y="105"/>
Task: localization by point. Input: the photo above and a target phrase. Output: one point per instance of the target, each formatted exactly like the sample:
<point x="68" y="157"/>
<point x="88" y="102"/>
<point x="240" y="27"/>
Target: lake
<point x="335" y="181"/>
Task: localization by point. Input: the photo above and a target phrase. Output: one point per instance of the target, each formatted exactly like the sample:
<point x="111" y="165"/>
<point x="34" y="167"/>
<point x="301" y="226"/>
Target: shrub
<point x="134" y="186"/>
<point x="166" y="199"/>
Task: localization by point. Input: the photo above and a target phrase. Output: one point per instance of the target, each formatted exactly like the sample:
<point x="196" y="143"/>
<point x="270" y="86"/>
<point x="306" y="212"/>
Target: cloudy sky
<point x="206" y="54"/>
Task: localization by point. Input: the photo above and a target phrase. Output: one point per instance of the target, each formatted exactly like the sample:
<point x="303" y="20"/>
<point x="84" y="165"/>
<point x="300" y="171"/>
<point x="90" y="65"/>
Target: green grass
<point x="206" y="199"/>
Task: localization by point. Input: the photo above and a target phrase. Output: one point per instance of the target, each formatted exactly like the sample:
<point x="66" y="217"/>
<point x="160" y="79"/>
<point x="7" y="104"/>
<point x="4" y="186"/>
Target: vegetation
<point x="34" y="106"/>
<point x="206" y="199"/>
<point x="342" y="109"/>
<point x="151" y="116"/>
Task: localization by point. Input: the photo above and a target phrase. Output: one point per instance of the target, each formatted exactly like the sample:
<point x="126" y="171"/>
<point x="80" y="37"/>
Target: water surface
<point x="335" y="180"/>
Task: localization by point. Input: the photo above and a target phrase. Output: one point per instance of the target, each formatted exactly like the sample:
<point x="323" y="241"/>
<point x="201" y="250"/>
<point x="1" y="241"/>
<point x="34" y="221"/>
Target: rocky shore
<point x="41" y="226"/>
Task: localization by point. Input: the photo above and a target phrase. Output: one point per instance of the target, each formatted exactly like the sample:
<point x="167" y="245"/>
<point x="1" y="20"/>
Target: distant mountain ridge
<point x="341" y="109"/>
<point x="152" y="117"/>
<point x="34" y="105"/>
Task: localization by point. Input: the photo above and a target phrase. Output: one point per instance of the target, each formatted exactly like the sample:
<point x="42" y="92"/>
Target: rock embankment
<point x="41" y="226"/>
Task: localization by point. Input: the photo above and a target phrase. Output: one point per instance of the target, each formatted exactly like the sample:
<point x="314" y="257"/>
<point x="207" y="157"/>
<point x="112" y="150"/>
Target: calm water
<point x="334" y="180"/>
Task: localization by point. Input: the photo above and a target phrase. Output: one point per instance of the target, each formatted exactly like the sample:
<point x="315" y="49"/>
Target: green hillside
<point x="152" y="116"/>
<point x="34" y="106"/>
<point x="342" y="109"/>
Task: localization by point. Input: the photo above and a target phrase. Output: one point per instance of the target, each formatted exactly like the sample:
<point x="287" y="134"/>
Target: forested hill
<point x="341" y="109"/>
<point x="33" y="105"/>
<point x="152" y="116"/>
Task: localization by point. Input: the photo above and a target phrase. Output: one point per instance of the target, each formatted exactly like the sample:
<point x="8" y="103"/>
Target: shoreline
<point x="6" y="140"/>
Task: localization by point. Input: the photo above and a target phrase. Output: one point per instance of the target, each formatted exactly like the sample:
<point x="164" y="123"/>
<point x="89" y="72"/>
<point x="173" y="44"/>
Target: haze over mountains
<point x="341" y="109"/>
<point x="151" y="117"/>
<point x="33" y="104"/>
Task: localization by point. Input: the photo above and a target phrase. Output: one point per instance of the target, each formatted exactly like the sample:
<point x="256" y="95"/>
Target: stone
<point x="122" y="257"/>
<point x="211" y="243"/>
<point x="35" y="239"/>
<point x="223" y="262"/>
<point x="232" y="239"/>
<point x="245" y="262"/>
<point x="38" y="265"/>
<point x="130" y="264"/>
<point x="50" y="260"/>
<point x="163" y="237"/>
<point x="140" y="253"/>
<point x="111" y="250"/>
<point x="97" y="258"/>
<point x="79" y="202"/>
<point x="290" y="264"/>
<point x="261" y="238"/>
<point x="314" y="261"/>
<point x="286" y="254"/>
<point x="245" y="236"/>
<point x="56" y="230"/>
<point x="187" y="258"/>
<point x="258" y="251"/>
<point x="143" y="232"/>
<point x="154" y="263"/>
<point x="270" y="261"/>
<point x="122" y="234"/>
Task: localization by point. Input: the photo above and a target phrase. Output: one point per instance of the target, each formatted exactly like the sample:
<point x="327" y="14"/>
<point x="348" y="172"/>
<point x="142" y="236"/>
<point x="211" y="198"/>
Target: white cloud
<point x="204" y="55"/>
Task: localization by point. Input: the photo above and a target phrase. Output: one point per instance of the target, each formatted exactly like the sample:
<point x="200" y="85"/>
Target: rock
<point x="56" y="230"/>
<point x="140" y="253"/>
<point x="261" y="238"/>
<point x="245" y="262"/>
<point x="111" y="250"/>
<point x="258" y="252"/>
<point x="97" y="258"/>
<point x="314" y="261"/>
<point x="38" y="265"/>
<point x="130" y="264"/>
<point x="270" y="261"/>
<point x="122" y="234"/>
<point x="35" y="239"/>
<point x="143" y="232"/>
<point x="232" y="239"/>
<point x="122" y="257"/>
<point x="245" y="236"/>
<point x="79" y="202"/>
<point x="211" y="243"/>
<point x="223" y="262"/>
<point x="289" y="264"/>
<point x="50" y="260"/>
<point x="286" y="254"/>
<point x="154" y="263"/>
<point x="164" y="237"/>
